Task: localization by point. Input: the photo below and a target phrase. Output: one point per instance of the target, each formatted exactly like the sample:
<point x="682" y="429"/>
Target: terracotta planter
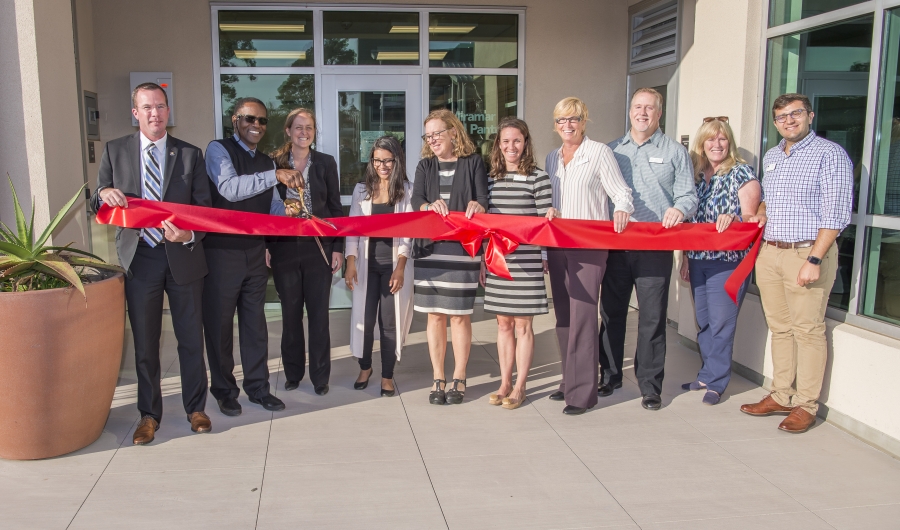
<point x="59" y="362"/>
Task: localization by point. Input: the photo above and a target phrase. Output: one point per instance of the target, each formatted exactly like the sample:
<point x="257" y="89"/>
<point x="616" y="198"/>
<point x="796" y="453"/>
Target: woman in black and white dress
<point x="450" y="177"/>
<point x="517" y="187"/>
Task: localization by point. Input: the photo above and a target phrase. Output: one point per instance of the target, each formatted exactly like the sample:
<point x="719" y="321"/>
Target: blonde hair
<point x="571" y="106"/>
<point x="698" y="154"/>
<point x="282" y="155"/>
<point x="653" y="92"/>
<point x="462" y="144"/>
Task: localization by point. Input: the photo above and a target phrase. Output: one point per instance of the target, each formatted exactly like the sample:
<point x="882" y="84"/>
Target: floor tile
<point x="882" y="517"/>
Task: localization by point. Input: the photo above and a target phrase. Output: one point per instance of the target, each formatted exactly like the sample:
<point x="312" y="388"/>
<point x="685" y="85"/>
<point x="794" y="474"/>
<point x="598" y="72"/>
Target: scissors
<point x="306" y="214"/>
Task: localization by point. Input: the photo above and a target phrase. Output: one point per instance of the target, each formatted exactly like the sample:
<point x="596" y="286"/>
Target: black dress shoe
<point x="607" y="388"/>
<point x="573" y="410"/>
<point x="291" y="385"/>
<point x="229" y="406"/>
<point x="360" y="385"/>
<point x="387" y="393"/>
<point x="269" y="402"/>
<point x="557" y="396"/>
<point x="651" y="402"/>
<point x="322" y="389"/>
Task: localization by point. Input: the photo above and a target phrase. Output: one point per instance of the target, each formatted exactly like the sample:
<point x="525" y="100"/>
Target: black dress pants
<point x="649" y="272"/>
<point x="150" y="278"/>
<point x="236" y="281"/>
<point x="303" y="278"/>
<point x="380" y="306"/>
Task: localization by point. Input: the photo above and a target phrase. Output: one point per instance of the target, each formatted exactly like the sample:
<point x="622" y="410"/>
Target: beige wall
<point x="40" y="146"/>
<point x="592" y="68"/>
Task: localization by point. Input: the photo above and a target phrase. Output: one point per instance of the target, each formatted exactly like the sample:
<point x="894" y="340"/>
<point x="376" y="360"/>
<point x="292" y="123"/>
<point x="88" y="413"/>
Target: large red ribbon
<point x="504" y="233"/>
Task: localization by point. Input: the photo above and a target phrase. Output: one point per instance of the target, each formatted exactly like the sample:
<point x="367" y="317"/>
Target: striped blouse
<point x="581" y="188"/>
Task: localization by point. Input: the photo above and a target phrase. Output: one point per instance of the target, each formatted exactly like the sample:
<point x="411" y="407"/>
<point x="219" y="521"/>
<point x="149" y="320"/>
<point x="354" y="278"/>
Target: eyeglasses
<point x="377" y="162"/>
<point x="570" y="119"/>
<point x="148" y="108"/>
<point x="723" y="119"/>
<point x="434" y="136"/>
<point x="794" y="114"/>
<point x="253" y="119"/>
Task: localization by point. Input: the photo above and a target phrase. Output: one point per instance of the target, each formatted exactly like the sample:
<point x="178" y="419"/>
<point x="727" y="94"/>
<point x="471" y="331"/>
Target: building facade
<point x="370" y="68"/>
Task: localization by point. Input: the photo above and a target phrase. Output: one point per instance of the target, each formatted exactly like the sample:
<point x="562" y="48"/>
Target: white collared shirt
<point x="160" y="156"/>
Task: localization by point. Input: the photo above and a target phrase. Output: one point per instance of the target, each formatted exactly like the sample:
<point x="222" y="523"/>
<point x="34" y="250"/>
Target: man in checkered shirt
<point x="807" y="200"/>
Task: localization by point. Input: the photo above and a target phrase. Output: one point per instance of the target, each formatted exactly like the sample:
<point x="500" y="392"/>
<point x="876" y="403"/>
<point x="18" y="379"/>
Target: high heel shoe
<point x="438" y="396"/>
<point x="454" y="395"/>
<point x="388" y="393"/>
<point x="360" y="385"/>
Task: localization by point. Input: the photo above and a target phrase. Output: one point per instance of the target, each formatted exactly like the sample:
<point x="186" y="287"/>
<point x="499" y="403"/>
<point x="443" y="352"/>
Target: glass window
<point x="367" y="37"/>
<point x="364" y="117"/>
<point x="784" y="11"/>
<point x="886" y="182"/>
<point x="466" y="40"/>
<point x="831" y="66"/>
<point x="479" y="101"/>
<point x="281" y="94"/>
<point x="840" y="292"/>
<point x="882" y="295"/>
<point x="265" y="38"/>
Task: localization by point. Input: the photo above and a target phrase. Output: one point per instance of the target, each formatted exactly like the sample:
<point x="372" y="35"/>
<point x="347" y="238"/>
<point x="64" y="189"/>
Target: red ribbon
<point x="503" y="232"/>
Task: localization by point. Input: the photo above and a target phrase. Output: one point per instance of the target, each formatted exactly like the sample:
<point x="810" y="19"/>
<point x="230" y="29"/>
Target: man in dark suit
<point x="152" y="165"/>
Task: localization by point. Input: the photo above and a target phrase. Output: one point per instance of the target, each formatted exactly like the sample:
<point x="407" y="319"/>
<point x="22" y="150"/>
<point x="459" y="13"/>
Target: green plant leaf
<point x="30" y="239"/>
<point x="97" y="264"/>
<point x="20" y="215"/>
<point x="14" y="250"/>
<point x="45" y="235"/>
<point x="9" y="261"/>
<point x="9" y="236"/>
<point x="15" y="269"/>
<point x="67" y="248"/>
<point x="56" y="266"/>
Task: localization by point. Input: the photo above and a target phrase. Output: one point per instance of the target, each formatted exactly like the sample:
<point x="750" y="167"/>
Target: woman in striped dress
<point x="517" y="187"/>
<point x="450" y="177"/>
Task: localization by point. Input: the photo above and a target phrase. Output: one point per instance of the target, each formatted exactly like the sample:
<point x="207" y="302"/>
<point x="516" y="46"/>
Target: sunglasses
<point x="723" y="119"/>
<point x="253" y="119"/>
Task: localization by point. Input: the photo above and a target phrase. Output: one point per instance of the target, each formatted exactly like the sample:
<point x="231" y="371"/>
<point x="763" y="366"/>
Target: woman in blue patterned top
<point x="728" y="191"/>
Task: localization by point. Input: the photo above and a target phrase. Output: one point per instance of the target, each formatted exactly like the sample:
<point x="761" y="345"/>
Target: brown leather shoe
<point x="765" y="407"/>
<point x="199" y="422"/>
<point x="799" y="420"/>
<point x="145" y="431"/>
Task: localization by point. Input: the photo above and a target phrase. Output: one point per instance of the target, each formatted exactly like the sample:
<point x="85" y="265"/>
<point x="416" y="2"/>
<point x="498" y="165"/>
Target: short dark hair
<point x="147" y="86"/>
<point x="784" y="100"/>
<point x="240" y="102"/>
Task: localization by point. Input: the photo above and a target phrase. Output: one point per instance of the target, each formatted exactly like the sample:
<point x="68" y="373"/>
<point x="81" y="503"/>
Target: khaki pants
<point x="796" y="317"/>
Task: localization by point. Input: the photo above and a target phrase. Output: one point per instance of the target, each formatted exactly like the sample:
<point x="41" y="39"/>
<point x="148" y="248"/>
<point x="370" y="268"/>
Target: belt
<point x="783" y="244"/>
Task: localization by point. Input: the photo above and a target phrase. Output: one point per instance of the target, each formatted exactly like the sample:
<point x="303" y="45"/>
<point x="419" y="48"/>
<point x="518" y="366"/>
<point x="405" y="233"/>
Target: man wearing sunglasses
<point x="243" y="180"/>
<point x="807" y="201"/>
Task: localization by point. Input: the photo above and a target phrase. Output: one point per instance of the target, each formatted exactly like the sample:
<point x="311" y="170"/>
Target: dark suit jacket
<point x="185" y="182"/>
<point x="325" y="188"/>
<point x="469" y="184"/>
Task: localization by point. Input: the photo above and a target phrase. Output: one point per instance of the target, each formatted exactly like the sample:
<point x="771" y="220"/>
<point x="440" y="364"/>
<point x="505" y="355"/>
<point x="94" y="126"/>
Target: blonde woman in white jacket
<point x="380" y="270"/>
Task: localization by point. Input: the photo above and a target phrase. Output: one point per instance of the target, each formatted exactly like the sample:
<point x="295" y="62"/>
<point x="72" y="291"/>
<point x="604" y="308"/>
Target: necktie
<point x="152" y="191"/>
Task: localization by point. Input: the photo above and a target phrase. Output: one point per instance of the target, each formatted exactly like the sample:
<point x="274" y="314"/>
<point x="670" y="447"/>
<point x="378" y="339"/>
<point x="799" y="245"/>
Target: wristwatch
<point x="814" y="260"/>
<point x="427" y="206"/>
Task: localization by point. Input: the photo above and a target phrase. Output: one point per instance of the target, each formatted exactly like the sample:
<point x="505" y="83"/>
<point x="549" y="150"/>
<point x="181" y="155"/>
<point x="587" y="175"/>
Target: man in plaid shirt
<point x="807" y="201"/>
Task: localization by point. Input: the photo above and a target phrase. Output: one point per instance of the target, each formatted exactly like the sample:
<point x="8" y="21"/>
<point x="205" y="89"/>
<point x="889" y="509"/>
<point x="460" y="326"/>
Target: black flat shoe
<point x="572" y="410"/>
<point x="229" y="406"/>
<point x="607" y="389"/>
<point x="269" y="402"/>
<point x="323" y="389"/>
<point x="291" y="385"/>
<point x="454" y="395"/>
<point x="438" y="396"/>
<point x="651" y="402"/>
<point x="360" y="385"/>
<point x="388" y="393"/>
<point x="557" y="396"/>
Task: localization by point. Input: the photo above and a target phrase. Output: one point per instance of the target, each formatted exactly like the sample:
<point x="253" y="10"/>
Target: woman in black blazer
<point x="450" y="177"/>
<point x="302" y="266"/>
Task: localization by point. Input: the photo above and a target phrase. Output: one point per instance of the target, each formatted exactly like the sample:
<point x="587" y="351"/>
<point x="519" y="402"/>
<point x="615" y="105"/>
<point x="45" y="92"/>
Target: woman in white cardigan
<point x="379" y="270"/>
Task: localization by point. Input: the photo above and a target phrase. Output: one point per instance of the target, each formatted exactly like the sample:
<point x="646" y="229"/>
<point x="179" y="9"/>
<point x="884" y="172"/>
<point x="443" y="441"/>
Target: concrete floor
<point x="352" y="459"/>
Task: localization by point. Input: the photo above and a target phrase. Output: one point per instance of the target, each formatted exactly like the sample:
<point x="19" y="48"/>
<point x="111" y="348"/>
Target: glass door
<point x="356" y="110"/>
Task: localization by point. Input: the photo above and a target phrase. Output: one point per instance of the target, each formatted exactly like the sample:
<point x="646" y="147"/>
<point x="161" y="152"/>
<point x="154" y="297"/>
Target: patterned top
<point x="809" y="189"/>
<point x="520" y="194"/>
<point x="720" y="196"/>
<point x="446" y="172"/>
<point x="660" y="173"/>
<point x="583" y="187"/>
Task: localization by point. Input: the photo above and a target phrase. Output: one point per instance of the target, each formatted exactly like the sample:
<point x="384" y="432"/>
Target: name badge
<point x="655" y="160"/>
<point x="521" y="178"/>
<point x="770" y="167"/>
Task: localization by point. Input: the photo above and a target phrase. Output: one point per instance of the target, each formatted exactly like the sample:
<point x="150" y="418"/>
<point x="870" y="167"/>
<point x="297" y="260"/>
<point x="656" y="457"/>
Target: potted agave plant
<point x="63" y="325"/>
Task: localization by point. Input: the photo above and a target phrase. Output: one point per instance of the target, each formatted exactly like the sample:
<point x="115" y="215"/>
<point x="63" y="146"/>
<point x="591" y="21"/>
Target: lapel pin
<point x="171" y="153"/>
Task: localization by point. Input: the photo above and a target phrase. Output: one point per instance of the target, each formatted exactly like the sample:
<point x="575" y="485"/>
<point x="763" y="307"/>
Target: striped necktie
<point x="152" y="191"/>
